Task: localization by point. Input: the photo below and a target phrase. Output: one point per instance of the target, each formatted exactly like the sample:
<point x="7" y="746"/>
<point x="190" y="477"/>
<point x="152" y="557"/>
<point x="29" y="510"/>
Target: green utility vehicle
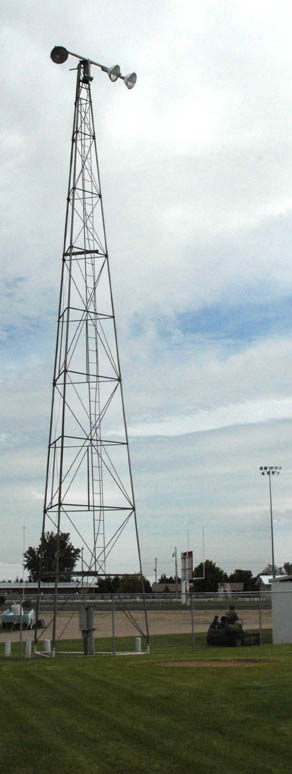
<point x="230" y="634"/>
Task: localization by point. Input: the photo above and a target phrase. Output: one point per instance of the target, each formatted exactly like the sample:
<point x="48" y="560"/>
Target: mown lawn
<point x="126" y="714"/>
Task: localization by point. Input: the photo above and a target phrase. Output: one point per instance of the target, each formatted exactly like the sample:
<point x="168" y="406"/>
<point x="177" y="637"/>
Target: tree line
<point x="41" y="561"/>
<point x="207" y="576"/>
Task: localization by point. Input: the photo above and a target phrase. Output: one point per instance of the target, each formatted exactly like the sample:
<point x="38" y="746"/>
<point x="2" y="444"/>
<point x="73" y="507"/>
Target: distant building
<point x="159" y="588"/>
<point x="263" y="582"/>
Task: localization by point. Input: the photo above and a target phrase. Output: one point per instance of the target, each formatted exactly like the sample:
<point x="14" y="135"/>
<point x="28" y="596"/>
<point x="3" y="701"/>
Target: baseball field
<point x="177" y="710"/>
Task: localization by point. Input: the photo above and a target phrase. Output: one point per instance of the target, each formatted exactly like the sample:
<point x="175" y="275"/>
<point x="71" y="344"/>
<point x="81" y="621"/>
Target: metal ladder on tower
<point x="95" y="464"/>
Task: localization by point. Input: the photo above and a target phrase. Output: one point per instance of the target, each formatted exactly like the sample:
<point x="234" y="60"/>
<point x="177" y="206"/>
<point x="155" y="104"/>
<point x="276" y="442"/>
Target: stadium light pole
<point x="271" y="470"/>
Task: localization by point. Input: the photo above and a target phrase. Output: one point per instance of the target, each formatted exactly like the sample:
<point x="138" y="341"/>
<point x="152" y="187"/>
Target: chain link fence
<point x="120" y="619"/>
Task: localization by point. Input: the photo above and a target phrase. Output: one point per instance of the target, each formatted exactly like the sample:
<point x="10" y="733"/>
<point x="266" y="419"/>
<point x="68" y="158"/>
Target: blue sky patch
<point x="239" y="324"/>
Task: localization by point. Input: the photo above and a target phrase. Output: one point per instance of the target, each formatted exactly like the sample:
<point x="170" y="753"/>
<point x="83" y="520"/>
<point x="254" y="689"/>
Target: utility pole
<point x="174" y="556"/>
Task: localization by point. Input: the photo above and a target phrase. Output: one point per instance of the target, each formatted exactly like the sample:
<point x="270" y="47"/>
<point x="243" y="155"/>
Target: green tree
<point x="288" y="568"/>
<point x="167" y="578"/>
<point x="123" y="584"/>
<point x="43" y="558"/>
<point x="268" y="570"/>
<point x="108" y="585"/>
<point x="213" y="576"/>
<point x="245" y="577"/>
<point x="131" y="584"/>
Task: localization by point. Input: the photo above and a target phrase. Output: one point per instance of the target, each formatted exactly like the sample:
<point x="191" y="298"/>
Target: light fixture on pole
<point x="59" y="55"/>
<point x="271" y="470"/>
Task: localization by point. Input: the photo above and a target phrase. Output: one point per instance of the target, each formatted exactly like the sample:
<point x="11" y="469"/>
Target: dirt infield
<point x="160" y="622"/>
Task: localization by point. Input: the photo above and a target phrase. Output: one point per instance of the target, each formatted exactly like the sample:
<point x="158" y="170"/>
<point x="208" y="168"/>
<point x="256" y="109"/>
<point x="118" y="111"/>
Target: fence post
<point x="20" y="629"/>
<point x="260" y="619"/>
<point x="192" y="619"/>
<point x="138" y="645"/>
<point x="113" y="627"/>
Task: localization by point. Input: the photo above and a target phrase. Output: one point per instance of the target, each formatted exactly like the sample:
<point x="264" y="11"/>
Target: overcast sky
<point x="196" y="167"/>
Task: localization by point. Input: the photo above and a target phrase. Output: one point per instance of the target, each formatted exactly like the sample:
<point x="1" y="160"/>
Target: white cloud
<point x="196" y="173"/>
<point x="233" y="414"/>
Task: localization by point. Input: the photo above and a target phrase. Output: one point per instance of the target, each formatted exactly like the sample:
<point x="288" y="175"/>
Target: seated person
<point x="231" y="616"/>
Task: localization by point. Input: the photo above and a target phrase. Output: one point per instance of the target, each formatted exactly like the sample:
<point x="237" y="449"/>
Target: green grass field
<point x="124" y="714"/>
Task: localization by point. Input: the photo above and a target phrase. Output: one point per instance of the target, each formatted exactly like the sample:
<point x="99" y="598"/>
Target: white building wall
<point x="282" y="611"/>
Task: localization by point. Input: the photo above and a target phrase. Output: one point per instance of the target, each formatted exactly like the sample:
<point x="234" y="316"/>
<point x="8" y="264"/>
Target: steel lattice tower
<point x="89" y="486"/>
